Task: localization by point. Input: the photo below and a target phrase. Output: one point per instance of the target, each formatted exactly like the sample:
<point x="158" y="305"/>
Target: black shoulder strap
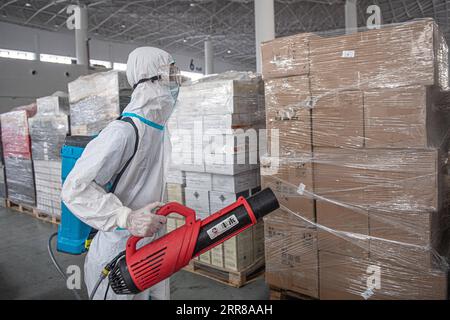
<point x="136" y="144"/>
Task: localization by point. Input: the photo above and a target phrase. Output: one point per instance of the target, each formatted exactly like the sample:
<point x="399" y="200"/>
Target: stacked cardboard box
<point x="174" y="192"/>
<point x="17" y="154"/>
<point x="214" y="134"/>
<point x="208" y="193"/>
<point x="291" y="254"/>
<point x="363" y="146"/>
<point x="48" y="129"/>
<point x="97" y="99"/>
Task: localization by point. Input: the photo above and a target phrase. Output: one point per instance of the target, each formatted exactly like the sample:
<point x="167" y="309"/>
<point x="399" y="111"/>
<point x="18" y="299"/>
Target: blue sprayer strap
<point x="143" y="120"/>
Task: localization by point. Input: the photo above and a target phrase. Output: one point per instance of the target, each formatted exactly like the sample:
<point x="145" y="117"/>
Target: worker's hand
<point x="144" y="222"/>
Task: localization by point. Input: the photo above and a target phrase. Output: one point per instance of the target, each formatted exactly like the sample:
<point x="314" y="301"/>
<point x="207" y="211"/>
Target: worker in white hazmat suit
<point x="130" y="209"/>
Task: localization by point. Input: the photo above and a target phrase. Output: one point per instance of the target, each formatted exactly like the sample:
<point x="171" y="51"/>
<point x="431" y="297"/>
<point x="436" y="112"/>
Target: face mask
<point x="170" y="76"/>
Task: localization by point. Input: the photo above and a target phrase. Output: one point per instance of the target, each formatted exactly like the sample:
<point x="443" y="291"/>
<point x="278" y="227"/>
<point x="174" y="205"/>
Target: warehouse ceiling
<point x="183" y="25"/>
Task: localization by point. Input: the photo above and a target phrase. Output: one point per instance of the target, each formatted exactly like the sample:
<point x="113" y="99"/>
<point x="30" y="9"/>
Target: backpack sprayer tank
<point x="73" y="234"/>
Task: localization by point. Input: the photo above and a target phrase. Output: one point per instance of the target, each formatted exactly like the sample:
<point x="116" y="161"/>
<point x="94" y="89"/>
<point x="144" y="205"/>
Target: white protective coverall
<point x="143" y="181"/>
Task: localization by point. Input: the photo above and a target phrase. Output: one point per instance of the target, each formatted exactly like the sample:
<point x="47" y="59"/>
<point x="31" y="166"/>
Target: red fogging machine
<point x="139" y="269"/>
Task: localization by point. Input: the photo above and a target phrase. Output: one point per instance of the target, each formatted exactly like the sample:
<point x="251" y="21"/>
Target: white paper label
<point x="348" y="54"/>
<point x="223" y="226"/>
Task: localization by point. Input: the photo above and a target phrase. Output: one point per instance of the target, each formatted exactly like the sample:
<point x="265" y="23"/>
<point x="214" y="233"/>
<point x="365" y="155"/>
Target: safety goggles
<point x="170" y="74"/>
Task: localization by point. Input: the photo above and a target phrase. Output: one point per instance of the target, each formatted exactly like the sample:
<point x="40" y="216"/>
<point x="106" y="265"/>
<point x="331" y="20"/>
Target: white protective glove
<point x="144" y="222"/>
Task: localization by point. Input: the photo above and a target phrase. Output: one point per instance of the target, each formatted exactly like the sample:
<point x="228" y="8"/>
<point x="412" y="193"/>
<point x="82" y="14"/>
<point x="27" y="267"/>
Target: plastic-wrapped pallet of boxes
<point x="17" y="155"/>
<point x="97" y="99"/>
<point x="362" y="126"/>
<point x="48" y="129"/>
<point x="214" y="135"/>
<point x="2" y="184"/>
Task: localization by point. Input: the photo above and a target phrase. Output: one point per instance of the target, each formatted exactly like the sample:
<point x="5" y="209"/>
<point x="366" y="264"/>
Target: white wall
<point x="18" y="86"/>
<point x="63" y="43"/>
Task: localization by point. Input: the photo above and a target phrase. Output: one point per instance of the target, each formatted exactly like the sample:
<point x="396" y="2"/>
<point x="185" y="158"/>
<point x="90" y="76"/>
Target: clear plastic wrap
<point x="215" y="124"/>
<point x="17" y="154"/>
<point x="2" y="182"/>
<point x="48" y="129"/>
<point x="15" y="133"/>
<point x="214" y="133"/>
<point x="20" y="180"/>
<point x="47" y="136"/>
<point x="97" y="99"/>
<point x="57" y="103"/>
<point x="291" y="254"/>
<point x="378" y="58"/>
<point x="404" y="117"/>
<point x="358" y="157"/>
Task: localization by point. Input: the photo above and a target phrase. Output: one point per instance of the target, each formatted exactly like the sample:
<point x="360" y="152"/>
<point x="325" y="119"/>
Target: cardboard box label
<point x="348" y="54"/>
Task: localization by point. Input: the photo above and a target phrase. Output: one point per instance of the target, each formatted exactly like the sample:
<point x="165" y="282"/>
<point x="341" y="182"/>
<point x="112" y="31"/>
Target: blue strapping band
<point x="143" y="120"/>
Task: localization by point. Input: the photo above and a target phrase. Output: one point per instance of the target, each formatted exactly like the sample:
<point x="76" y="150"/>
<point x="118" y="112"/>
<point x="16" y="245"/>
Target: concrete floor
<point x="26" y="271"/>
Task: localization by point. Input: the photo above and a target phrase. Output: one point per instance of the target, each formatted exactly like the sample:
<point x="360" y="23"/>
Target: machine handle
<point x="171" y="207"/>
<point x="175" y="207"/>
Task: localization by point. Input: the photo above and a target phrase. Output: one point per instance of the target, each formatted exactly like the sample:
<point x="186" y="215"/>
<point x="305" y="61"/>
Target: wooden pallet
<point x="283" y="294"/>
<point x="32" y="211"/>
<point x="231" y="278"/>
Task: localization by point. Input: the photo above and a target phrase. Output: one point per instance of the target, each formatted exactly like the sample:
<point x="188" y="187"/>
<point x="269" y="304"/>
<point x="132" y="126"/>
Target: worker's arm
<point x="103" y="158"/>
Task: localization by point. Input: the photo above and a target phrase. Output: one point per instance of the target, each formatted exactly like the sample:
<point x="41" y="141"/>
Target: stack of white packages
<point x="48" y="129"/>
<point x="97" y="99"/>
<point x="175" y="184"/>
<point x="214" y="134"/>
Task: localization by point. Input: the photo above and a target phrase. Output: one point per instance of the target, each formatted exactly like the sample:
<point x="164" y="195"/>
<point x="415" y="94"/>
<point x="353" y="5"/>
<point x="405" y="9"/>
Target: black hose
<point x="57" y="266"/>
<point x="97" y="284"/>
<point x="106" y="292"/>
<point x="110" y="266"/>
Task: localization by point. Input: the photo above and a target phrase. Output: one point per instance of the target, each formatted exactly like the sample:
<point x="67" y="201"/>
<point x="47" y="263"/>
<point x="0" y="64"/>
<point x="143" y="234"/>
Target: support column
<point x="264" y="26"/>
<point x="81" y="37"/>
<point x="37" y="48"/>
<point x="351" y="18"/>
<point x="110" y="55"/>
<point x="209" y="57"/>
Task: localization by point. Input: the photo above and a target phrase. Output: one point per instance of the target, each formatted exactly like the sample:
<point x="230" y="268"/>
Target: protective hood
<point x="150" y="99"/>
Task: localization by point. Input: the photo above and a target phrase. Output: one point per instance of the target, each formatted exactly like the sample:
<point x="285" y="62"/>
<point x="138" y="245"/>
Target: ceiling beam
<point x="51" y="4"/>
